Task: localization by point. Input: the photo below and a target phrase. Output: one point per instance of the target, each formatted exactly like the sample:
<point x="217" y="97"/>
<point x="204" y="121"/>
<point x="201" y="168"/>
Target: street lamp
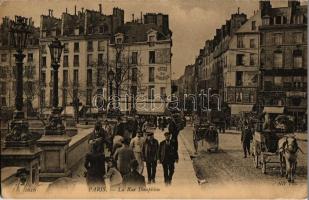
<point x="55" y="126"/>
<point x="111" y="76"/>
<point x="19" y="32"/>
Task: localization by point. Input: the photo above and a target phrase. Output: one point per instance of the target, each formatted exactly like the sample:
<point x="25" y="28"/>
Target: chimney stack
<point x="132" y="17"/>
<point x="238" y="10"/>
<point x="75" y="9"/>
<point x="141" y="17"/>
<point x="66" y="10"/>
<point x="100" y="8"/>
<point x="82" y="10"/>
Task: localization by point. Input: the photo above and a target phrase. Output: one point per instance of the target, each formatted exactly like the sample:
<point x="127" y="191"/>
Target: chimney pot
<point x="66" y="10"/>
<point x="82" y="10"/>
<point x="75" y="9"/>
<point x="132" y="17"/>
<point x="100" y="8"/>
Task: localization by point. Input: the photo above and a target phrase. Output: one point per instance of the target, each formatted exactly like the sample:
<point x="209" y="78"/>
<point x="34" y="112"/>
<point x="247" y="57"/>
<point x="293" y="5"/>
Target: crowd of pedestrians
<point x="125" y="147"/>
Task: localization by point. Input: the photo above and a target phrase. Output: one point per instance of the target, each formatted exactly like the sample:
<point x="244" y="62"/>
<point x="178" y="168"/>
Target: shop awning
<point x="273" y="109"/>
<point x="237" y="109"/>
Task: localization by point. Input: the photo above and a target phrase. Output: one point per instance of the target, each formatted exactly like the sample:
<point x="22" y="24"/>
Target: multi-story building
<point x="241" y="68"/>
<point x="83" y="66"/>
<point x="140" y="55"/>
<point x="8" y="68"/>
<point x="283" y="59"/>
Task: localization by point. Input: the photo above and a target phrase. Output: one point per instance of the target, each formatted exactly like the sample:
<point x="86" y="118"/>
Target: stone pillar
<point x="54" y="160"/>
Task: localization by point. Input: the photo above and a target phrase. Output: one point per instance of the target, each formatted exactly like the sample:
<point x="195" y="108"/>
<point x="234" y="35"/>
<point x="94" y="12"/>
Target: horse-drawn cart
<point x="208" y="134"/>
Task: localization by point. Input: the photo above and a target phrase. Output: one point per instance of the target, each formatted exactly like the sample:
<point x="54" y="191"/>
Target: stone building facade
<point x="284" y="58"/>
<point x="8" y="68"/>
<point x="143" y="66"/>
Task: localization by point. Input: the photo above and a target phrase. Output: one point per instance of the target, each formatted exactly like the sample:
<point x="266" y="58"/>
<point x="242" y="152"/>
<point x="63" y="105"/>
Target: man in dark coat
<point x="95" y="166"/>
<point x="150" y="156"/>
<point x="174" y="131"/>
<point x="134" y="179"/>
<point x="98" y="135"/>
<point x="124" y="155"/>
<point x="246" y="137"/>
<point x="168" y="155"/>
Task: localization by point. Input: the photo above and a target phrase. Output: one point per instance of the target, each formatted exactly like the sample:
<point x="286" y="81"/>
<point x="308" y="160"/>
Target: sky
<point x="192" y="22"/>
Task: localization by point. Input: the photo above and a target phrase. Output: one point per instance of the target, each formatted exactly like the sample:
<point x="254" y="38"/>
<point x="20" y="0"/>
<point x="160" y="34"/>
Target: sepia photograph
<point x="153" y="99"/>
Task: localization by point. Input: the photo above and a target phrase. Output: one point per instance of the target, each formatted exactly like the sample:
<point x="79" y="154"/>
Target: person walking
<point x="133" y="179"/>
<point x="124" y="155"/>
<point x="95" y="166"/>
<point x="98" y="135"/>
<point x="173" y="130"/>
<point x="168" y="155"/>
<point x="150" y="155"/>
<point x="137" y="145"/>
<point x="113" y="175"/>
<point x="246" y="137"/>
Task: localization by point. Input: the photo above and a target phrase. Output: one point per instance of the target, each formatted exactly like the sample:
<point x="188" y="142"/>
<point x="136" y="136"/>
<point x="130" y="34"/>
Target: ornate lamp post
<point x="55" y="125"/>
<point x="111" y="76"/>
<point x="19" y="32"/>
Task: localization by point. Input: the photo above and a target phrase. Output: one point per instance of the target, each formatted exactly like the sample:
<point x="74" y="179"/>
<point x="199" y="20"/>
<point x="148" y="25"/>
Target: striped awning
<point x="236" y="109"/>
<point x="273" y="109"/>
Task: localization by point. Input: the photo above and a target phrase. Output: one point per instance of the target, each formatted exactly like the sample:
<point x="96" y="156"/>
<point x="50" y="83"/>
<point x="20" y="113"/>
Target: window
<point x="277" y="38"/>
<point x="99" y="77"/>
<point x="238" y="96"/>
<point x="151" y="74"/>
<point x="240" y="59"/>
<point x="278" y="20"/>
<point x="297" y="19"/>
<point x="134" y="58"/>
<point x="298" y="38"/>
<point x="90" y="46"/>
<point x="100" y="59"/>
<point x="65" y="61"/>
<point x="253" y="25"/>
<point x="278" y="80"/>
<point x="134" y="74"/>
<point x="75" y="77"/>
<point x="240" y="41"/>
<point x="266" y="21"/>
<point x="239" y="78"/>
<point x="278" y="60"/>
<point x="151" y="92"/>
<point x="30" y="57"/>
<point x="297" y="59"/>
<point x="297" y="81"/>
<point x="101" y="46"/>
<point x="90" y="30"/>
<point x="252" y="59"/>
<point x="152" y="38"/>
<point x="65" y="78"/>
<point x="2" y="101"/>
<point x="76" y="31"/>
<point x="76" y="46"/>
<point x="43" y="61"/>
<point x="252" y="43"/>
<point x="64" y="97"/>
<point x="119" y="40"/>
<point x="66" y="48"/>
<point x="89" y="77"/>
<point x="76" y="61"/>
<point x="89" y="96"/>
<point x="152" y="57"/>
<point x="163" y="92"/>
<point x="89" y="60"/>
<point x="43" y="78"/>
<point x="3" y="88"/>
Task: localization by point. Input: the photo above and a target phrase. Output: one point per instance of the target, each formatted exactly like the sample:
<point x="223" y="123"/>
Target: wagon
<point x="265" y="141"/>
<point x="203" y="133"/>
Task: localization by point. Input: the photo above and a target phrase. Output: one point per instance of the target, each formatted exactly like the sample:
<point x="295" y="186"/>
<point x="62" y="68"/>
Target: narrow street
<point x="227" y="166"/>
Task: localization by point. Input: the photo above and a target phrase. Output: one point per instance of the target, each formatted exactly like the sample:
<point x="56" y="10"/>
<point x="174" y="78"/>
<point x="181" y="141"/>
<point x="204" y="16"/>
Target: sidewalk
<point x="184" y="172"/>
<point x="302" y="136"/>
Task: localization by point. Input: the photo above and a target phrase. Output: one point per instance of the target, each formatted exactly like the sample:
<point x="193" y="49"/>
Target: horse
<point x="288" y="149"/>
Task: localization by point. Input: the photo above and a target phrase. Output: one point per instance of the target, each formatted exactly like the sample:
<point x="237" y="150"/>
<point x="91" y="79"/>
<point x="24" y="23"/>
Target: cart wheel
<point x="264" y="167"/>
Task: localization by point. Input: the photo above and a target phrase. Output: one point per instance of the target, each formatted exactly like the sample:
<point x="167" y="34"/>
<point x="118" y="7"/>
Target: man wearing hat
<point x="150" y="156"/>
<point x="168" y="155"/>
<point x="246" y="137"/>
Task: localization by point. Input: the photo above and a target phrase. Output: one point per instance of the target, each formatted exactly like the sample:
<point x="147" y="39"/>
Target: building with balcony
<point x="283" y="39"/>
<point x="83" y="67"/>
<point x="8" y="68"/>
<point x="140" y="56"/>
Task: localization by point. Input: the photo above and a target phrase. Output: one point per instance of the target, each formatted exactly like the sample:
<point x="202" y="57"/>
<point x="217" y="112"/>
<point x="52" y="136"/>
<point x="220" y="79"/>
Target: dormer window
<point x="119" y="38"/>
<point x="278" y="20"/>
<point x="76" y="31"/>
<point x="152" y="35"/>
<point x="54" y="33"/>
<point x="152" y="38"/>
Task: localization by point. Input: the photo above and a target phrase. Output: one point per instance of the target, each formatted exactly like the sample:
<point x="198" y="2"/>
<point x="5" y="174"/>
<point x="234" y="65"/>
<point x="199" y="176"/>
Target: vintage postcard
<point x="150" y="99"/>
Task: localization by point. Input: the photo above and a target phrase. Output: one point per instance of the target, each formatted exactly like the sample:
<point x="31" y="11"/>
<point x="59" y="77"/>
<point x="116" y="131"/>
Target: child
<point x="113" y="175"/>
